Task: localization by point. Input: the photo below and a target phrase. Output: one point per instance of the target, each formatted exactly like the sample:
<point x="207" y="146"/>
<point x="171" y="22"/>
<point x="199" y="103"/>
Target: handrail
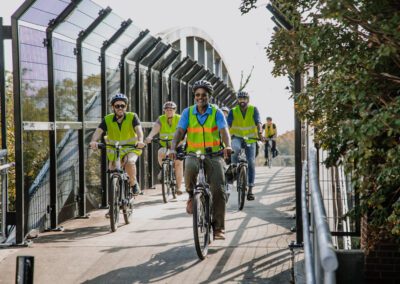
<point x="325" y="249"/>
<point x="309" y="263"/>
<point x="3" y="153"/>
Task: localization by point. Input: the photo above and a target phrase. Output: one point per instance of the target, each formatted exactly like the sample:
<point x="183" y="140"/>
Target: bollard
<point x="24" y="270"/>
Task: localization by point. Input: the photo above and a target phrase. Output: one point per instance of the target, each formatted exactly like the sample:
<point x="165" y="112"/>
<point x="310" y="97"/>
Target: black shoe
<point x="266" y="163"/>
<point x="250" y="195"/>
<point x="135" y="190"/>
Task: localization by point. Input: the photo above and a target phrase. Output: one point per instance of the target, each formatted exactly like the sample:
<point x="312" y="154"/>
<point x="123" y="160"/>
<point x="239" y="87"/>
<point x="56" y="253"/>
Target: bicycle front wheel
<point x="241" y="186"/>
<point x="201" y="224"/>
<point x="173" y="181"/>
<point x="127" y="208"/>
<point x="114" y="196"/>
<point x="164" y="182"/>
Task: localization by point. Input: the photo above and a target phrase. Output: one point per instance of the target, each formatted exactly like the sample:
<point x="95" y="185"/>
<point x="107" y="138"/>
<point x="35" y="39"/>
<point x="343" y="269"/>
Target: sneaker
<point x="266" y="163"/>
<point x="178" y="191"/>
<point x="189" y="206"/>
<point x="107" y="215"/>
<point x="135" y="190"/>
<point x="219" y="235"/>
<point x="250" y="195"/>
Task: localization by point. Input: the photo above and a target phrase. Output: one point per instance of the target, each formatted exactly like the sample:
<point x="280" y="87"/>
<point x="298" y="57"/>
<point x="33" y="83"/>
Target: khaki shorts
<point x="129" y="158"/>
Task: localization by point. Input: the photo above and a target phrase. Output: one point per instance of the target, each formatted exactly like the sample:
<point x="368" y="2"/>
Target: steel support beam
<point x="81" y="109"/>
<point x="52" y="109"/>
<point x="21" y="202"/>
<point x="298" y="165"/>
<point x="141" y="36"/>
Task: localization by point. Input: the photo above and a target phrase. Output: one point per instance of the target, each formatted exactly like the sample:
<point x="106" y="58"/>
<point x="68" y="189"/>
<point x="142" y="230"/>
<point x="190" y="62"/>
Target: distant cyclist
<point x="205" y="126"/>
<point x="244" y="121"/>
<point x="166" y="125"/>
<point x="270" y="132"/>
<point x="123" y="127"/>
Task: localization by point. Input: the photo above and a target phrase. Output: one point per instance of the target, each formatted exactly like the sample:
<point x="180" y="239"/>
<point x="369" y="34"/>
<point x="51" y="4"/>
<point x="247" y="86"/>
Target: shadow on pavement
<point x="159" y="268"/>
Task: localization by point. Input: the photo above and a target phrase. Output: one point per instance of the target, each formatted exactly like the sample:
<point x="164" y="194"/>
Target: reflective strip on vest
<point x="167" y="131"/>
<point x="124" y="136"/>
<point x="200" y="136"/>
<point x="244" y="126"/>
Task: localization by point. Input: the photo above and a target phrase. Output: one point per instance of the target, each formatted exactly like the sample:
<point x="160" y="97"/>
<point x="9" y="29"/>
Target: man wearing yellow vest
<point x="125" y="128"/>
<point x="166" y="125"/>
<point x="270" y="132"/>
<point x="205" y="126"/>
<point x="244" y="122"/>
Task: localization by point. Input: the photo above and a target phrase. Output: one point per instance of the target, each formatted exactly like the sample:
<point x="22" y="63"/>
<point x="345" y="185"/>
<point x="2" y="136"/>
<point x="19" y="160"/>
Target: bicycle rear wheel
<point x="201" y="226"/>
<point x="241" y="186"/>
<point x="164" y="182"/>
<point x="114" y="196"/>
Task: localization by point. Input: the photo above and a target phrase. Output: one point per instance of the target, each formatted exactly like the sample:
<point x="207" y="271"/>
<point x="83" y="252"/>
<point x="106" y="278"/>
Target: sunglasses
<point x="120" y="106"/>
<point x="200" y="95"/>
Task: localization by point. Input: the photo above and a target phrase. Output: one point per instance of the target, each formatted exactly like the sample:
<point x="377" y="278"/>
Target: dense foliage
<point x="354" y="101"/>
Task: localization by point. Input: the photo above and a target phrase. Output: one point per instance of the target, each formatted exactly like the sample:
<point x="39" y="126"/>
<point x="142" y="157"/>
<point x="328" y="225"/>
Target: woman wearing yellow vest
<point x="125" y="128"/>
<point x="244" y="121"/>
<point x="166" y="125"/>
<point x="205" y="126"/>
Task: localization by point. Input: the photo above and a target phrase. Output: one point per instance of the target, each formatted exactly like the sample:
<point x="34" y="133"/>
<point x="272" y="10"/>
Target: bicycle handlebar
<point x="161" y="139"/>
<point x="103" y="145"/>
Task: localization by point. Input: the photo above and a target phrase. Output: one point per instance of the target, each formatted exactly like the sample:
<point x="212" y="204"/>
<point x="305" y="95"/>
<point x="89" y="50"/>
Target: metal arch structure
<point x="69" y="57"/>
<point x="200" y="47"/>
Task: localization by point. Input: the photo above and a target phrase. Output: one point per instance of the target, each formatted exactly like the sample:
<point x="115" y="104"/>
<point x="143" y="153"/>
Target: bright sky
<point x="240" y="39"/>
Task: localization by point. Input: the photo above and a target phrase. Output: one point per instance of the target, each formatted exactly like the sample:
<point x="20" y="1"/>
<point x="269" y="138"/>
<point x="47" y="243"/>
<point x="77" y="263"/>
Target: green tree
<point x="354" y="102"/>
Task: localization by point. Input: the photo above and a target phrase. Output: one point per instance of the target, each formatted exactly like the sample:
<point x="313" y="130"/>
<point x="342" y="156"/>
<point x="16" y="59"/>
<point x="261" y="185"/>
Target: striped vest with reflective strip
<point x="167" y="131"/>
<point x="125" y="136"/>
<point x="244" y="127"/>
<point x="200" y="136"/>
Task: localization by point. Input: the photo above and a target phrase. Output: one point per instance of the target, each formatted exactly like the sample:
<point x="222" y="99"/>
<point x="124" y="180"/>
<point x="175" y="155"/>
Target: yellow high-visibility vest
<point x="244" y="127"/>
<point x="203" y="136"/>
<point x="125" y="136"/>
<point x="167" y="131"/>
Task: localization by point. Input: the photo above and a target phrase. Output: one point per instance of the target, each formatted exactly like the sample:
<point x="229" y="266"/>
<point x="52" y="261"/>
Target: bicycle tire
<point x="114" y="190"/>
<point x="241" y="186"/>
<point x="164" y="181"/>
<point x="173" y="178"/>
<point x="269" y="159"/>
<point x="201" y="226"/>
<point x="127" y="208"/>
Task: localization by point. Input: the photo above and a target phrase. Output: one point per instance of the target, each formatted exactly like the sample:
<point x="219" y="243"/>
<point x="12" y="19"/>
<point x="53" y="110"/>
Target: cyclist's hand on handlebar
<point x="140" y="145"/>
<point x="93" y="145"/>
<point x="227" y="152"/>
<point x="148" y="140"/>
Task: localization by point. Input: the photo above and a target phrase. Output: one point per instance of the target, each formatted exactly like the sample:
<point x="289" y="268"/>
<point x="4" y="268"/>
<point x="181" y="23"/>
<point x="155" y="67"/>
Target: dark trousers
<point x="266" y="149"/>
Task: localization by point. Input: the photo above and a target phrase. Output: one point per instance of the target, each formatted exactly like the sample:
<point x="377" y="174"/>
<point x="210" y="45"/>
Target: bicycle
<point x="120" y="194"/>
<point x="168" y="178"/>
<point x="202" y="206"/>
<point x="239" y="171"/>
<point x="269" y="157"/>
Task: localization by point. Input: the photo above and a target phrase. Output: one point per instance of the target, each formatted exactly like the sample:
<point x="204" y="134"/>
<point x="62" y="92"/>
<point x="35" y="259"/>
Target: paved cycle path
<point x="157" y="247"/>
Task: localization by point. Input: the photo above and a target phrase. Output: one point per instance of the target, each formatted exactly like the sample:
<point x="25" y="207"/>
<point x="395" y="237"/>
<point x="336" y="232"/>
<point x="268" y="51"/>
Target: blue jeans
<point x="250" y="151"/>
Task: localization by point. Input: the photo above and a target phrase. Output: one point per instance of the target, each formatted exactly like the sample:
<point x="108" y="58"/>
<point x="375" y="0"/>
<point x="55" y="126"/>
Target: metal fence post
<point x="24" y="274"/>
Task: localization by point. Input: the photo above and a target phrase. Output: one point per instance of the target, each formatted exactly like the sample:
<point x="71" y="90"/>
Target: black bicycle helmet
<point x="203" y="84"/>
<point x="243" y="94"/>
<point x="269" y="118"/>
<point x="119" y="97"/>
